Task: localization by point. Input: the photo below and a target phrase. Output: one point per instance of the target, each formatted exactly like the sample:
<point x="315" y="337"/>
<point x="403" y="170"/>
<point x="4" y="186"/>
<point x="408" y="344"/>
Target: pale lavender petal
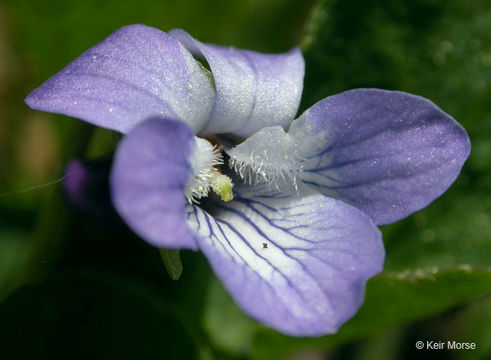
<point x="136" y="73"/>
<point x="150" y="172"/>
<point x="297" y="263"/>
<point x="388" y="153"/>
<point x="254" y="90"/>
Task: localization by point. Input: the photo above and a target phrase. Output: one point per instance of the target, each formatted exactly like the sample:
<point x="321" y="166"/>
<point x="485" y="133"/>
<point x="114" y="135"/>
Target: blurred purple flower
<point x="299" y="240"/>
<point x="86" y="186"/>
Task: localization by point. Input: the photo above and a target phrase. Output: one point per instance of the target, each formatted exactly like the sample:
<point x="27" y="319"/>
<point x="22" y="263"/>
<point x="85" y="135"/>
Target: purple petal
<point x="148" y="178"/>
<point x="136" y="73"/>
<point x="299" y="264"/>
<point x="388" y="153"/>
<point x="254" y="90"/>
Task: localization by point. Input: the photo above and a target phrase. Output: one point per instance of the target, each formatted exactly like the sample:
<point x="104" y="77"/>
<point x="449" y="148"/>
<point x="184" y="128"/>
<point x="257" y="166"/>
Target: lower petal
<point x="298" y="263"/>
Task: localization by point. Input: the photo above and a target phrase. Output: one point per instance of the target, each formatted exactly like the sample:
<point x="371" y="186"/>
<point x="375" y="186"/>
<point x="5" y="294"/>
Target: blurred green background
<point x="72" y="286"/>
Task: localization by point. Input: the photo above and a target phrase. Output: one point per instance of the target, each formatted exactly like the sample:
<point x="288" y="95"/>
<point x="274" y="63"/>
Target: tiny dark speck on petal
<point x="265" y="245"/>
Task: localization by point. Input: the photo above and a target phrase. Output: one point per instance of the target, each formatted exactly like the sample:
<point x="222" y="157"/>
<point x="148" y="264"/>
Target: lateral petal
<point x="388" y="153"/>
<point x="150" y="172"/>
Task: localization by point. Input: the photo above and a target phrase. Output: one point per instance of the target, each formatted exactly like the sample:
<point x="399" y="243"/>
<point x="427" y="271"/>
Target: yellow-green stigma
<point x="222" y="186"/>
<point x="205" y="163"/>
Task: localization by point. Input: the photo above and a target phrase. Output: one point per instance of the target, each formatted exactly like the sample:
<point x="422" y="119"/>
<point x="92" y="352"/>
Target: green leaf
<point x="91" y="315"/>
<point x="391" y="300"/>
<point x="172" y="262"/>
<point x="473" y="325"/>
<point x="228" y="327"/>
<point x="13" y="246"/>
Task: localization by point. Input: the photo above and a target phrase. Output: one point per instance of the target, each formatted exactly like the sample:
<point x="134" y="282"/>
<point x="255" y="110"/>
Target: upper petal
<point x="136" y="73"/>
<point x="388" y="153"/>
<point x="150" y="172"/>
<point x="296" y="263"/>
<point x="254" y="90"/>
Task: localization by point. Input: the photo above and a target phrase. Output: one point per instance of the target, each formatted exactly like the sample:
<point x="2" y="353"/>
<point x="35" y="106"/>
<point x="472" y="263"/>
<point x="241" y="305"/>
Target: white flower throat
<point x="271" y="158"/>
<point x="205" y="161"/>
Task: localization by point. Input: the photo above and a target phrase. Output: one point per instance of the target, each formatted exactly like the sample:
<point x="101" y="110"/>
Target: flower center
<point x="205" y="163"/>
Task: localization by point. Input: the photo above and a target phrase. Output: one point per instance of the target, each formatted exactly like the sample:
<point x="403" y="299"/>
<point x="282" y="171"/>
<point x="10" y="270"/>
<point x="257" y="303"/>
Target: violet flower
<point x="298" y="240"/>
